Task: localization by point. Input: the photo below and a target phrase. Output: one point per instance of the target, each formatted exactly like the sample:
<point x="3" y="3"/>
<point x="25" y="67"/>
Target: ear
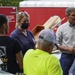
<point x="4" y="26"/>
<point x="51" y="48"/>
<point x="2" y="29"/>
<point x="67" y="15"/>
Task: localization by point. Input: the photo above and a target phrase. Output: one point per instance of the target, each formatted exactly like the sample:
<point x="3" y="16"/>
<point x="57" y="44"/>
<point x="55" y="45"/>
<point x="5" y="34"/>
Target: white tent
<point x="47" y="3"/>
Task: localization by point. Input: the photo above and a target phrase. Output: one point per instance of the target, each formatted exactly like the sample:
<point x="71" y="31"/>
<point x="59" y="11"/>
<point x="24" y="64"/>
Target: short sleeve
<point x="54" y="67"/>
<point x="17" y="47"/>
<point x="31" y="33"/>
<point x="59" y="35"/>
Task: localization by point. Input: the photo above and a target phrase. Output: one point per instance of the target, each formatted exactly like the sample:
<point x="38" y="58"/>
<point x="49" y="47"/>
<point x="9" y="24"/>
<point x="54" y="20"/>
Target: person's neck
<point x="2" y="32"/>
<point x="23" y="30"/>
<point x="44" y="49"/>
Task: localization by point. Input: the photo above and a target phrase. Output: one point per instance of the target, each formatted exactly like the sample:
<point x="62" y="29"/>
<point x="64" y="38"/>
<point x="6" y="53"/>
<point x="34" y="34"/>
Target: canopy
<point x="48" y="3"/>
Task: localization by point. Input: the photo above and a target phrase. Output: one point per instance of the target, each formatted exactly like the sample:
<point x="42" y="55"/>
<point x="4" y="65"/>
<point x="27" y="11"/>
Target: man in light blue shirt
<point x="66" y="40"/>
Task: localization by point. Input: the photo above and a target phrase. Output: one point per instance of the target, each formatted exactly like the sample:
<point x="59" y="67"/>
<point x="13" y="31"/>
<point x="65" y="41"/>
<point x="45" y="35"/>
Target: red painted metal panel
<point x="39" y="15"/>
<point x="10" y="12"/>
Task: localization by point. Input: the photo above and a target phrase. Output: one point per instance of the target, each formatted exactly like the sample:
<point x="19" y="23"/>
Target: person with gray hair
<point x="40" y="61"/>
<point x="66" y="40"/>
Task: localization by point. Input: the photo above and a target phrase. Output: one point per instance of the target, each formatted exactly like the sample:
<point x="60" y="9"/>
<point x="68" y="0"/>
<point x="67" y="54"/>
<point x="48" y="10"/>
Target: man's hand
<point x="73" y="51"/>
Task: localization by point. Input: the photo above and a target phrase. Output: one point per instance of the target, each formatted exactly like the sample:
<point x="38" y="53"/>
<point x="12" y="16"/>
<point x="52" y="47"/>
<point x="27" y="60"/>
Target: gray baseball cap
<point x="47" y="35"/>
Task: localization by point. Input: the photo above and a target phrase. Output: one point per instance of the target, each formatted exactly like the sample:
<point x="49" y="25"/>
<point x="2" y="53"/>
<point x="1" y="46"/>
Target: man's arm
<point x="66" y="48"/>
<point x="54" y="67"/>
<point x="19" y="57"/>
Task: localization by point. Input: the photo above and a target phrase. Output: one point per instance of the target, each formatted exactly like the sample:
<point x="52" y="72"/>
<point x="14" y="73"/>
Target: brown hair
<point x="20" y="15"/>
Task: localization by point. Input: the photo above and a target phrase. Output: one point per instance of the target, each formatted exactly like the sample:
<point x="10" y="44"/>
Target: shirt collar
<point x="70" y="24"/>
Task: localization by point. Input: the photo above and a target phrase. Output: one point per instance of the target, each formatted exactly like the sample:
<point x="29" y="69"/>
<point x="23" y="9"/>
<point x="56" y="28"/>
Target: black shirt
<point x="8" y="49"/>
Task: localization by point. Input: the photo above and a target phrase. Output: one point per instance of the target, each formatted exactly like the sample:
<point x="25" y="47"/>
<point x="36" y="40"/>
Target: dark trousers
<point x="66" y="61"/>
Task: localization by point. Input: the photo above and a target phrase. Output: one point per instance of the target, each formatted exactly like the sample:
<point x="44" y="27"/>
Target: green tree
<point x="10" y="3"/>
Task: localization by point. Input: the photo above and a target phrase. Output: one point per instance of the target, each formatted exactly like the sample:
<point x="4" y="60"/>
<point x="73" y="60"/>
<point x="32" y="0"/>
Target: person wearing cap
<point x="39" y="61"/>
<point x="10" y="49"/>
<point x="66" y="40"/>
<point x="22" y="33"/>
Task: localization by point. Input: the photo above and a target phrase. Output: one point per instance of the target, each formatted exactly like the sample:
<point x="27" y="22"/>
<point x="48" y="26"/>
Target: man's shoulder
<point x="64" y="24"/>
<point x="7" y="38"/>
<point x="51" y="59"/>
<point x="15" y="32"/>
<point x="11" y="40"/>
<point x="29" y="51"/>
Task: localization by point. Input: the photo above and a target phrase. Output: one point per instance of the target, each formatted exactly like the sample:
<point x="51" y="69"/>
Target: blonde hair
<point x="20" y="15"/>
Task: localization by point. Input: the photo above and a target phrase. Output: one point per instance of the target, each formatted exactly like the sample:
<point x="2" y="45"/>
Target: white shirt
<point x="66" y="35"/>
